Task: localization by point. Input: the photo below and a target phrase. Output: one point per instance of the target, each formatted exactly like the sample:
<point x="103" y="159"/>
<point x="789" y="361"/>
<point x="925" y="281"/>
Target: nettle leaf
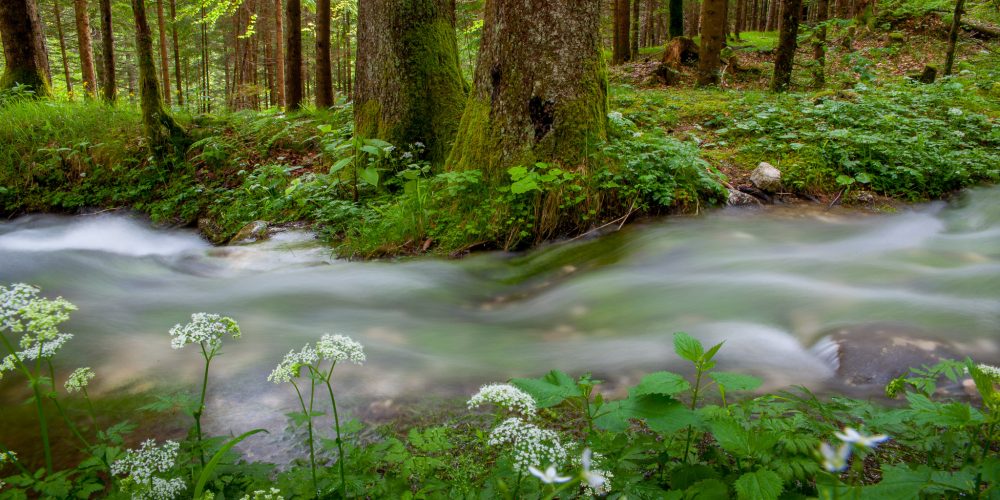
<point x="707" y="489"/>
<point x="759" y="485"/>
<point x="665" y="383"/>
<point x="898" y="482"/>
<point x="688" y="347"/>
<point x="550" y="390"/>
<point x="660" y="412"/>
<point x="736" y="381"/>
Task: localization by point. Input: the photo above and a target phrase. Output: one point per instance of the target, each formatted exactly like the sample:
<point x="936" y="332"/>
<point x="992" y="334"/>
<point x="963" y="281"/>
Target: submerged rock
<point x="250" y="233"/>
<point x="740" y="199"/>
<point x="766" y="178"/>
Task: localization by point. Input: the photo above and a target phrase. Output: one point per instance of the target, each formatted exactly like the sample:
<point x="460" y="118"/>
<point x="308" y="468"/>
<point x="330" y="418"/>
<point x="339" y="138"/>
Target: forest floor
<point x="871" y="138"/>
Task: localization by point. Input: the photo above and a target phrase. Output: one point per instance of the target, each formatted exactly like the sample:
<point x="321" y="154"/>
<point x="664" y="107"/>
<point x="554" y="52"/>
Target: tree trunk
<point x="676" y="18"/>
<point x="772" y="15"/>
<point x="634" y="36"/>
<point x="163" y="134"/>
<point x="540" y="91"/>
<point x="324" y="77"/>
<point x="740" y="13"/>
<point x="819" y="45"/>
<point x="785" y="57"/>
<point x="620" y="42"/>
<point x="279" y="54"/>
<point x="108" y="46"/>
<point x="713" y="20"/>
<point x="23" y="47"/>
<point x="164" y="65"/>
<point x="57" y="11"/>
<point x="409" y="83"/>
<point x="293" y="54"/>
<point x="949" y="61"/>
<point x="177" y="54"/>
<point x="86" y="48"/>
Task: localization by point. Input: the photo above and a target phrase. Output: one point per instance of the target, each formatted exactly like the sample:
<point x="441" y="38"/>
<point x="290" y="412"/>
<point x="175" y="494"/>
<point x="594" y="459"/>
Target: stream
<point x="773" y="283"/>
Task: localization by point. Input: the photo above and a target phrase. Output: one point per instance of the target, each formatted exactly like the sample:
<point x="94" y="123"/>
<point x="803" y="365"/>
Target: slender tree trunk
<point x="772" y="15"/>
<point x="819" y="45"/>
<point x="634" y="38"/>
<point x="410" y="87"/>
<point x="324" y="78"/>
<point x="86" y="48"/>
<point x="787" y="43"/>
<point x="676" y="18"/>
<point x="23" y="47"/>
<point x="57" y="11"/>
<point x="713" y="20"/>
<point x="540" y="90"/>
<point x="293" y="55"/>
<point x="108" y="46"/>
<point x="949" y="61"/>
<point x="163" y="134"/>
<point x="177" y="55"/>
<point x="279" y="53"/>
<point x="620" y="40"/>
<point x="164" y="65"/>
<point x="740" y="13"/>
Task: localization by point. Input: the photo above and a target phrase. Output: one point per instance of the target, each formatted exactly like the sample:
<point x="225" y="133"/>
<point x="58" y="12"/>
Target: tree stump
<point x="681" y="51"/>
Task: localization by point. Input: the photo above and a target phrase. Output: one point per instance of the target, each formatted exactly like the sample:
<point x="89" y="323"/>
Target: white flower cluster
<point x="79" y="379"/>
<point x="598" y="480"/>
<point x="505" y="396"/>
<point x="292" y="363"/>
<point x="141" y="467"/>
<point x="340" y="348"/>
<point x="12" y="300"/>
<point x="48" y="349"/>
<point x="204" y="328"/>
<point x="836" y="460"/>
<point x="991" y="371"/>
<point x="6" y="456"/>
<point x="22" y="311"/>
<point x="532" y="446"/>
<point x="272" y="494"/>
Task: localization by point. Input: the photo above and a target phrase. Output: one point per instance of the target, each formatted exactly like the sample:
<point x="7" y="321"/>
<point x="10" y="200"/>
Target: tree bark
<point x="279" y="54"/>
<point x="676" y="18"/>
<point x="25" y="59"/>
<point x="108" y="46"/>
<point x="713" y="20"/>
<point x="164" y="65"/>
<point x="177" y="54"/>
<point x="956" y="22"/>
<point x="772" y="15"/>
<point x="787" y="43"/>
<point x="86" y="48"/>
<point x="634" y="35"/>
<point x="324" y="77"/>
<point x="540" y="91"/>
<point x="293" y="55"/>
<point x="620" y="38"/>
<point x="57" y="11"/>
<point x="819" y="45"/>
<point x="163" y="134"/>
<point x="409" y="84"/>
<point x="740" y="13"/>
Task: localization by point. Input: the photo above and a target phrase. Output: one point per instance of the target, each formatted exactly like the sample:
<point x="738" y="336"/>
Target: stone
<point x="766" y="178"/>
<point x="740" y="199"/>
<point x="897" y="37"/>
<point x="250" y="233"/>
<point x="211" y="230"/>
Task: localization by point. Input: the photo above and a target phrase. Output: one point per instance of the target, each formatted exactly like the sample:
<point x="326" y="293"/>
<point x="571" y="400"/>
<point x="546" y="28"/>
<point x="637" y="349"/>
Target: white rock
<point x="766" y="177"/>
<point x="739" y="198"/>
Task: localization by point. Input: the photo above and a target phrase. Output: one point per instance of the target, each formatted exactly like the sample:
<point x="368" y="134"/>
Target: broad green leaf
<point x="736" y="381"/>
<point x="524" y="185"/>
<point x="660" y="412"/>
<point x="709" y="489"/>
<point x="662" y="383"/>
<point x="378" y="143"/>
<point x="688" y="347"/>
<point x="899" y="483"/>
<point x="713" y="351"/>
<point x="684" y="476"/>
<point x="758" y="485"/>
<point x="550" y="390"/>
<point x="371" y="150"/>
<point x="370" y="175"/>
<point x="340" y="164"/>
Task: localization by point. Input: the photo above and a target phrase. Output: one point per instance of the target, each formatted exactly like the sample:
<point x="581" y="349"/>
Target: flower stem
<point x="201" y="405"/>
<point x="336" y="423"/>
<point x="33" y="382"/>
<point x="312" y="453"/>
<point x="694" y="403"/>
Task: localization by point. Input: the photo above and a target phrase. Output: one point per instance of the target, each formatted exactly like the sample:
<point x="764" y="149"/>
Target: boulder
<point x="681" y="51"/>
<point x="250" y="233"/>
<point x="766" y="178"/>
<point x="740" y="199"/>
<point x="211" y="230"/>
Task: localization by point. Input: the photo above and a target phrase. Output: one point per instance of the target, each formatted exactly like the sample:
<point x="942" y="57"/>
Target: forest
<point x="565" y="249"/>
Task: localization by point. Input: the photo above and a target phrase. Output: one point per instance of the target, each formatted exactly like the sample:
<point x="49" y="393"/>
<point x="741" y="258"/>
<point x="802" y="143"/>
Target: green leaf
<point x="736" y="381"/>
<point x="657" y="410"/>
<point x="371" y="150"/>
<point x="550" y="390"/>
<point x="524" y="185"/>
<point x="688" y="347"/>
<point x="517" y="173"/>
<point x="863" y="178"/>
<point x="340" y="164"/>
<point x="214" y="462"/>
<point x="899" y="483"/>
<point x="759" y="485"/>
<point x="370" y="175"/>
<point x="665" y="383"/>
<point x="845" y="180"/>
<point x="378" y="143"/>
<point x="709" y="489"/>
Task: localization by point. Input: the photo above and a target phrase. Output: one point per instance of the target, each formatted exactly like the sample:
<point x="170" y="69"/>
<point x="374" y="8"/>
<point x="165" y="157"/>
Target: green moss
<point x="28" y="77"/>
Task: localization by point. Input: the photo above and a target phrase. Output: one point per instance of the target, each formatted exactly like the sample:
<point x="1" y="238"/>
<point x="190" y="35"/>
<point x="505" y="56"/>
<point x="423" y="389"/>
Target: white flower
<point x="531" y="445"/>
<point x="79" y="379"/>
<point x="550" y="476"/>
<point x="407" y="155"/>
<point x="954" y="111"/>
<point x="32" y="352"/>
<point x="204" y="328"/>
<point x="22" y="311"/>
<point x="7" y="456"/>
<point x="272" y="494"/>
<point x="340" y="348"/>
<point x="990" y="371"/>
<point x="595" y="479"/>
<point x="292" y="364"/>
<point x="852" y="436"/>
<point x="144" y="468"/>
<point x="636" y="134"/>
<point x="835" y="460"/>
<point x="505" y="396"/>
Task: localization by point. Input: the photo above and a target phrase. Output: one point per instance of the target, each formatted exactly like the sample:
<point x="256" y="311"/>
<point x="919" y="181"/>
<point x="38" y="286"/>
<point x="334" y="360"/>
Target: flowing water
<point x="769" y="282"/>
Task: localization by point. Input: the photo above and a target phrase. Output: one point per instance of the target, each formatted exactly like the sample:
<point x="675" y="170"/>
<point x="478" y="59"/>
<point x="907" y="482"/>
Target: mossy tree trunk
<point x="540" y="90"/>
<point x="324" y="75"/>
<point x="787" y="43"/>
<point x="408" y="85"/>
<point x="23" y="47"/>
<point x="164" y="135"/>
<point x="819" y="44"/>
<point x="676" y="8"/>
<point x="949" y="61"/>
<point x="293" y="54"/>
<point x="634" y="31"/>
<point x="86" y="48"/>
<point x="713" y="20"/>
<point x="108" y="45"/>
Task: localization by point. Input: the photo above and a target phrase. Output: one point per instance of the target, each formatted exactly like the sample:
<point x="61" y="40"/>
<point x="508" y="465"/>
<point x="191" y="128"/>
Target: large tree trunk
<point x="164" y="66"/>
<point x="57" y="11"/>
<point x="540" y="91"/>
<point x="279" y="53"/>
<point x="163" y="134"/>
<point x="324" y="77"/>
<point x="819" y="45"/>
<point x="23" y="47"/>
<point x="293" y="54"/>
<point x="86" y="47"/>
<point x="177" y="55"/>
<point x="956" y="22"/>
<point x="409" y="84"/>
<point x="787" y="43"/>
<point x="676" y="18"/>
<point x="713" y="20"/>
<point x="619" y="41"/>
<point x="108" y="45"/>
